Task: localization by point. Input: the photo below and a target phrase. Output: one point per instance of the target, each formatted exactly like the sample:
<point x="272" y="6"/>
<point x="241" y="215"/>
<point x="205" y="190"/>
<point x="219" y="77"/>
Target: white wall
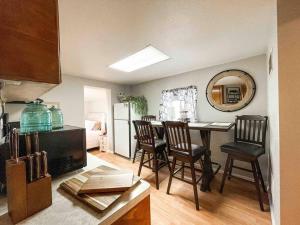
<point x="94" y="106"/>
<point x="98" y="106"/>
<point x="70" y="95"/>
<point x="95" y="102"/>
<point x="273" y="113"/>
<point x="255" y="66"/>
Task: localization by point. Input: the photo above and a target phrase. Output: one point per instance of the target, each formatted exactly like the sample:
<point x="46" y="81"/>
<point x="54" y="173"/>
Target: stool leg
<point x="260" y="176"/>
<point x="182" y="171"/>
<point x="257" y="186"/>
<point x="201" y="164"/>
<point x="167" y="160"/>
<point x="171" y="175"/>
<point x="135" y="151"/>
<point x="149" y="157"/>
<point x="225" y="173"/>
<point x="141" y="162"/>
<point x="155" y="163"/>
<point x="194" y="185"/>
<point x="230" y="169"/>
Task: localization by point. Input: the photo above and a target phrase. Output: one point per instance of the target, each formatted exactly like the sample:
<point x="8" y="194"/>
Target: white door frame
<point x="109" y="118"/>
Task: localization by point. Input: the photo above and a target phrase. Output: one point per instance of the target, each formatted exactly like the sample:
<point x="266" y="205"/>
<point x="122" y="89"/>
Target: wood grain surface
<point x="98" y="201"/>
<point x="139" y="215"/>
<point x="29" y="46"/>
<point x="107" y="182"/>
<point x="238" y="205"/>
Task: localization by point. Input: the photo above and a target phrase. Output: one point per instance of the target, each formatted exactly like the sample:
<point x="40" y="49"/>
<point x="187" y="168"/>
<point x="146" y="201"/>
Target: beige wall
<point x="289" y="109"/>
<point x="256" y="66"/>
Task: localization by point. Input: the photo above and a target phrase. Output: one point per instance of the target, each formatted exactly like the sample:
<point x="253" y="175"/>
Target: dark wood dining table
<point x="205" y="129"/>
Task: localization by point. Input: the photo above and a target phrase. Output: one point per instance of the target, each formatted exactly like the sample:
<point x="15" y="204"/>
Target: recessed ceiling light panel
<point x="146" y="57"/>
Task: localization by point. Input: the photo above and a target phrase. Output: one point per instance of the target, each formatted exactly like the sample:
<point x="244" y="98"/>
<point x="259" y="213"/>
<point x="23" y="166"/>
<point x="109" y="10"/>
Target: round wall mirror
<point x="230" y="90"/>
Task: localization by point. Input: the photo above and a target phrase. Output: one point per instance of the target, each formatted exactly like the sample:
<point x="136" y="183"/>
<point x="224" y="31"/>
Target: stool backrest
<point x="251" y="129"/>
<point x="144" y="133"/>
<point x="178" y="137"/>
<point x="149" y="118"/>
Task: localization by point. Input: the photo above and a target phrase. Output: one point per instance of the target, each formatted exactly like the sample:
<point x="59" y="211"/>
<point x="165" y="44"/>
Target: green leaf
<point x="140" y="104"/>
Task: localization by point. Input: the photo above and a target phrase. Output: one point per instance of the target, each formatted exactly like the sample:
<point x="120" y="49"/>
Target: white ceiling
<point x="194" y="33"/>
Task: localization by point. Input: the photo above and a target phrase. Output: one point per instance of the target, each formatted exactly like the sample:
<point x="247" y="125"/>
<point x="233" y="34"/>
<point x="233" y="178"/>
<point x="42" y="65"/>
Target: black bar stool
<point x="248" y="146"/>
<point x="150" y="145"/>
<point x="180" y="147"/>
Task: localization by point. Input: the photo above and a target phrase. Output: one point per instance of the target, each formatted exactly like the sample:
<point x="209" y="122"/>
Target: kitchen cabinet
<point x="29" y="46"/>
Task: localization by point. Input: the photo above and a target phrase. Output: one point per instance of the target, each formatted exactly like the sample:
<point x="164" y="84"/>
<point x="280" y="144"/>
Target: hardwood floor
<point x="237" y="205"/>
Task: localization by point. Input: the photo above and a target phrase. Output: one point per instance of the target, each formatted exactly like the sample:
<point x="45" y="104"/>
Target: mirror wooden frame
<point x="249" y="82"/>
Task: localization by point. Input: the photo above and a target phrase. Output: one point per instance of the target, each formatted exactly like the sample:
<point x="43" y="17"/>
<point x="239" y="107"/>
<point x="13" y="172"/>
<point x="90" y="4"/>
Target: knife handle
<point x="15" y="149"/>
<point x="28" y="143"/>
<point x="11" y="144"/>
<point x="30" y="168"/>
<point x="36" y="142"/>
<point x="45" y="163"/>
<point x="37" y="165"/>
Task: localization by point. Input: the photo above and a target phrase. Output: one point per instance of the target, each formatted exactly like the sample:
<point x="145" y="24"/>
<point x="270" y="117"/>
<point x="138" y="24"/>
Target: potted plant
<point x="139" y="103"/>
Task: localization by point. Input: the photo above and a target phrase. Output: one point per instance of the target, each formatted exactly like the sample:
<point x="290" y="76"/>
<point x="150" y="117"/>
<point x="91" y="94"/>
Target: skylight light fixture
<point x="146" y="57"/>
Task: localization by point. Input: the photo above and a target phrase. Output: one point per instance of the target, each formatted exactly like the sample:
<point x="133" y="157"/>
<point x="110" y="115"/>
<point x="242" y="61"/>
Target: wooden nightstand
<point x="103" y="143"/>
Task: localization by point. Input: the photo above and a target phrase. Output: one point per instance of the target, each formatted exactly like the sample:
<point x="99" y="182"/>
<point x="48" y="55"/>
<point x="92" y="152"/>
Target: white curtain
<point x="174" y="101"/>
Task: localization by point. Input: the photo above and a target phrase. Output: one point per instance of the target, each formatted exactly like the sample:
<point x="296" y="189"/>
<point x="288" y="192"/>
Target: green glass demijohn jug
<point x="36" y="117"/>
<point x="57" y="118"/>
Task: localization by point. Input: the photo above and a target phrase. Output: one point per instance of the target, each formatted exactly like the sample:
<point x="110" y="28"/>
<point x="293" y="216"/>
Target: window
<point x="174" y="109"/>
<point x="174" y="101"/>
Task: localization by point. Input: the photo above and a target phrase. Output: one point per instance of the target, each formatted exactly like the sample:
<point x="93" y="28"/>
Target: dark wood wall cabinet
<point x="29" y="46"/>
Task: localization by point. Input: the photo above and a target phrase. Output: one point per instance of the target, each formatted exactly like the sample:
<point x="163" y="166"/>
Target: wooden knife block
<point x="24" y="199"/>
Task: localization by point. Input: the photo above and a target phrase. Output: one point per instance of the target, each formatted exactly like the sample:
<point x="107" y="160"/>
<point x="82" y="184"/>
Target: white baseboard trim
<point x="273" y="221"/>
<point x="238" y="176"/>
<point x="244" y="177"/>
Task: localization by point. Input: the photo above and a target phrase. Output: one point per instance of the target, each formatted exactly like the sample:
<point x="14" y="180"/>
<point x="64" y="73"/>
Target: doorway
<point x="97" y="118"/>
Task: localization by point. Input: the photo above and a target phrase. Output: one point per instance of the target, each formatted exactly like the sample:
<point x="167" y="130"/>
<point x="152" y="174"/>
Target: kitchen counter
<point x="65" y="209"/>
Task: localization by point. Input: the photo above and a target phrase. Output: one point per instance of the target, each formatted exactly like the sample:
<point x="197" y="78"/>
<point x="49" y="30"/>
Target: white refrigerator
<point x="124" y="142"/>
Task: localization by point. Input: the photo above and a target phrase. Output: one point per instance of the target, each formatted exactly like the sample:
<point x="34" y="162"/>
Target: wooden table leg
<point x="160" y="132"/>
<point x="207" y="170"/>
